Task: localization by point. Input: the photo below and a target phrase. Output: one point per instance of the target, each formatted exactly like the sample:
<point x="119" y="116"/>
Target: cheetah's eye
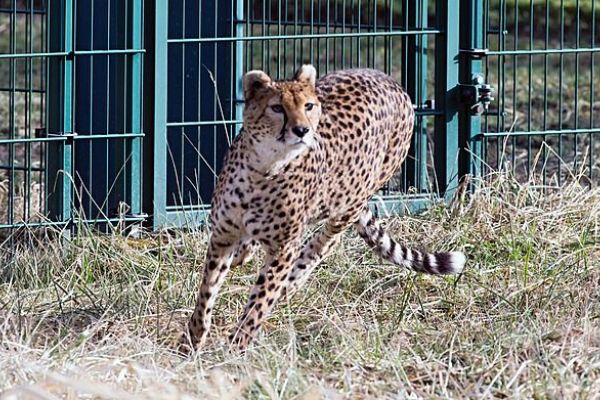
<point x="309" y="106"/>
<point x="277" y="108"/>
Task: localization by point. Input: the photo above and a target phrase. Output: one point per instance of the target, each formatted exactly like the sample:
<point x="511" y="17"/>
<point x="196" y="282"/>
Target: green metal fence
<point x="22" y="110"/>
<point x="540" y="56"/>
<point x="120" y="111"/>
<point x="70" y="126"/>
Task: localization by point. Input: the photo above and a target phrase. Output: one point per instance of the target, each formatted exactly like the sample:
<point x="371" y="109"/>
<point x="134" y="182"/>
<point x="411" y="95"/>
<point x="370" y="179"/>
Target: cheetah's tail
<point x="437" y="264"/>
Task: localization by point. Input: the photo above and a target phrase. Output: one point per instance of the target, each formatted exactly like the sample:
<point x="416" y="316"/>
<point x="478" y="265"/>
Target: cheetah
<point x="309" y="151"/>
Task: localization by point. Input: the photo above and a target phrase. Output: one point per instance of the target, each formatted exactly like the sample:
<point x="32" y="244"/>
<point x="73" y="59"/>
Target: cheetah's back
<point x="365" y="129"/>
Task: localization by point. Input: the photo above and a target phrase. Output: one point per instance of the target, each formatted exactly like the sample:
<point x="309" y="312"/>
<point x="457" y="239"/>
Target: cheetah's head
<point x="282" y="116"/>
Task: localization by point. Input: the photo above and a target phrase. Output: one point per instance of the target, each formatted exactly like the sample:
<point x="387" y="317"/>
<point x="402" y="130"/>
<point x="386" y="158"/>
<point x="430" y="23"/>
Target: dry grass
<point x="93" y="317"/>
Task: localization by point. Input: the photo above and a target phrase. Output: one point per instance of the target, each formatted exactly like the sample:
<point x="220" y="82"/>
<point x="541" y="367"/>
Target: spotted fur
<point x="309" y="151"/>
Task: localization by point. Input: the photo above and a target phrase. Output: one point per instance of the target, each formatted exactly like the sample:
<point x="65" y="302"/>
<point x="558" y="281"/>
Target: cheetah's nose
<point x="300" y="131"/>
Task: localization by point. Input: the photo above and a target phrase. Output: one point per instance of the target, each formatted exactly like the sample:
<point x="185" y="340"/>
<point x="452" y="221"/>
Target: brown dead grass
<point x="94" y="317"/>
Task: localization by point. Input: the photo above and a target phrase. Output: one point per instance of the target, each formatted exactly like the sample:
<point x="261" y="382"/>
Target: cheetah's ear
<point x="307" y="73"/>
<point x="254" y="81"/>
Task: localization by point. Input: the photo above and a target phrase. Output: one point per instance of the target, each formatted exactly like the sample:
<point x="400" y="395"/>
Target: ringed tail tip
<point x="455" y="262"/>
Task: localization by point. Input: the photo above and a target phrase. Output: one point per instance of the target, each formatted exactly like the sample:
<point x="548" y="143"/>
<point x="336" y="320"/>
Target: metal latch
<point x="43" y="133"/>
<point x="476" y="53"/>
<point x="476" y="95"/>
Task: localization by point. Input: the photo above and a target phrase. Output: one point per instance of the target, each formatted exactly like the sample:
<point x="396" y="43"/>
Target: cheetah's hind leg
<point x="319" y="247"/>
<point x="265" y="293"/>
<point x="431" y="263"/>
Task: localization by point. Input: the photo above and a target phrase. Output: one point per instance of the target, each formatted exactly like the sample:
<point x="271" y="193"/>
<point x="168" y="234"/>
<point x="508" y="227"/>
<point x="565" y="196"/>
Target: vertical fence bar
<point x="159" y="123"/>
<point x="471" y="38"/>
<point x="560" y="89"/>
<point x="239" y="63"/>
<point x="515" y="86"/>
<point x="29" y="21"/>
<point x="118" y="156"/>
<point x="545" y="119"/>
<point x="446" y="85"/>
<point x="103" y="209"/>
<point x="12" y="117"/>
<point x="592" y="96"/>
<point x="576" y="95"/>
<point x="529" y="168"/>
<point x="60" y="91"/>
<point x="416" y="86"/>
<point x="134" y="98"/>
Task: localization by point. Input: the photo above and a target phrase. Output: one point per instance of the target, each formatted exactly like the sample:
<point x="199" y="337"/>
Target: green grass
<point x="94" y="317"/>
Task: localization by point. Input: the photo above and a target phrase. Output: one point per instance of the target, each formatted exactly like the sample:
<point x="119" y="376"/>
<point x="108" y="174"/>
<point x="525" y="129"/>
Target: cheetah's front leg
<point x="264" y="294"/>
<point x="218" y="260"/>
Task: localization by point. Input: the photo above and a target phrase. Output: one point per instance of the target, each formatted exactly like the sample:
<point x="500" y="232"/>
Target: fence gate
<point x="70" y="124"/>
<point x="202" y="48"/>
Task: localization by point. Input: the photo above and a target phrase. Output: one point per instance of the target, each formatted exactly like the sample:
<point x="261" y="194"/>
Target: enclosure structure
<point x="121" y="111"/>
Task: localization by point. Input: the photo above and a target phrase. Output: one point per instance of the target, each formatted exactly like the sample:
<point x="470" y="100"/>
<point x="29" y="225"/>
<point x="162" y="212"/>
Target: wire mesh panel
<point x="70" y="125"/>
<point x="393" y="36"/>
<point x="544" y="121"/>
<point x="194" y="110"/>
<point x="201" y="105"/>
<point x="204" y="47"/>
<point x="22" y="111"/>
<point x="107" y="109"/>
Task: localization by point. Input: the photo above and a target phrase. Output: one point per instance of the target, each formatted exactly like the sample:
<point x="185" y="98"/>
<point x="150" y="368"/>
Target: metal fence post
<point x="157" y="114"/>
<point x="415" y="82"/>
<point x="239" y="63"/>
<point x="472" y="52"/>
<point x="446" y="86"/>
<point x="60" y="100"/>
<point x="134" y="97"/>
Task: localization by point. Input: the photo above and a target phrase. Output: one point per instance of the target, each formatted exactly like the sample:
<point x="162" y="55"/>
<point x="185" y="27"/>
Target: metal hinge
<point x="476" y="95"/>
